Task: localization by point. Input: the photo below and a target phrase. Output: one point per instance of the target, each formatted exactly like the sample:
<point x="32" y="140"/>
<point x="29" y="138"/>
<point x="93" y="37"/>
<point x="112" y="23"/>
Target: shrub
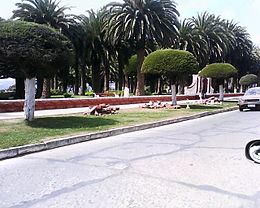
<point x="248" y="79"/>
<point x="56" y="92"/>
<point x="170" y="62"/>
<point x="218" y="71"/>
<point x="67" y="95"/>
<point x="130" y="68"/>
<point x="90" y="93"/>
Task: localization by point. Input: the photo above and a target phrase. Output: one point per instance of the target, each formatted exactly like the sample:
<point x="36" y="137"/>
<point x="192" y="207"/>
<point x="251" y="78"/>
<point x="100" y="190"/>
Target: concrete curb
<point x="32" y="148"/>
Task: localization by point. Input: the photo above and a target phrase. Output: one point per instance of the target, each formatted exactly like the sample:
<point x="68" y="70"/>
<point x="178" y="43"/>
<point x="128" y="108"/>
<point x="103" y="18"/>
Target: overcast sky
<point x="245" y="12"/>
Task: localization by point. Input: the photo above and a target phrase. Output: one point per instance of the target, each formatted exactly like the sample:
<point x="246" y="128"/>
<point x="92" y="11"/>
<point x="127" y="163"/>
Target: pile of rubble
<point x="159" y="104"/>
<point x="101" y="109"/>
<point x="211" y="101"/>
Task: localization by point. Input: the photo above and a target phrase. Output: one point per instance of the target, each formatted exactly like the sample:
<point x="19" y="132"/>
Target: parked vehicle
<point x="250" y="100"/>
<point x="252" y="151"/>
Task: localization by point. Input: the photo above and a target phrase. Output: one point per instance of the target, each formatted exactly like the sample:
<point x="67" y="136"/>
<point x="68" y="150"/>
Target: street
<point x="193" y="164"/>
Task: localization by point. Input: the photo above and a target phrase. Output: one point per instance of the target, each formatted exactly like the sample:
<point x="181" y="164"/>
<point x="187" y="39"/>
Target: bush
<point x="170" y="62"/>
<point x="248" y="79"/>
<point x="90" y="93"/>
<point x="56" y="92"/>
<point x="67" y="95"/>
<point x="130" y="68"/>
<point x="218" y="71"/>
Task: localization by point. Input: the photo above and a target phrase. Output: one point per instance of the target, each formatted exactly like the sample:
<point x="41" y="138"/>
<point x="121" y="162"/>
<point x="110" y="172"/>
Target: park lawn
<point x="18" y="132"/>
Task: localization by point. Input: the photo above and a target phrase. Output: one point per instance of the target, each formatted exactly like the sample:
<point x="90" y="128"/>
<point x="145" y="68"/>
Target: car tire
<point x="241" y="109"/>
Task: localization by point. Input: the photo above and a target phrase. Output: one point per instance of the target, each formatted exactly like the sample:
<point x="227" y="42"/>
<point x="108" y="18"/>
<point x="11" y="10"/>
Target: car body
<point x="250" y="100"/>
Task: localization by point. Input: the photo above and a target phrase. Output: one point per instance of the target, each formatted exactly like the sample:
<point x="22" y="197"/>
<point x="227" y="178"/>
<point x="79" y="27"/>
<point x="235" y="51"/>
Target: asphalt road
<point x="194" y="164"/>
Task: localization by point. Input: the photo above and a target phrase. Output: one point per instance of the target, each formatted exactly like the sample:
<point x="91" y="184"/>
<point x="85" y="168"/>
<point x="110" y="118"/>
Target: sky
<point x="245" y="12"/>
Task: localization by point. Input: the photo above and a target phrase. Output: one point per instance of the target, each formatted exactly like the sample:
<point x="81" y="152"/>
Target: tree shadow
<point x="75" y="122"/>
<point x="203" y="106"/>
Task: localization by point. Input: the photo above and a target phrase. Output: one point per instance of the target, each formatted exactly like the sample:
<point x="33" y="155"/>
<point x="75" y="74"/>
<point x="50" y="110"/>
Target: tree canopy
<point x="248" y="79"/>
<point x="130" y="68"/>
<point x="218" y="71"/>
<point x="171" y="63"/>
<point x="29" y="49"/>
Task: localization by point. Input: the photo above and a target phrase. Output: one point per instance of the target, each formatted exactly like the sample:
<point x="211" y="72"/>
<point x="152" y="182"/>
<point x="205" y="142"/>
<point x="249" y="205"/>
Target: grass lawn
<point x="18" y="132"/>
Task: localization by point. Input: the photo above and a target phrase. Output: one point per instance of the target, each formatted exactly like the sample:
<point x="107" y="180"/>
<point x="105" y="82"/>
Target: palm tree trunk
<point x="29" y="101"/>
<point x="96" y="83"/>
<point x="19" y="85"/>
<point x="140" y="75"/>
<point x="46" y="88"/>
<point x="120" y="71"/>
<point x="106" y="75"/>
<point x="126" y="81"/>
<point x="39" y="87"/>
<point x="76" y="90"/>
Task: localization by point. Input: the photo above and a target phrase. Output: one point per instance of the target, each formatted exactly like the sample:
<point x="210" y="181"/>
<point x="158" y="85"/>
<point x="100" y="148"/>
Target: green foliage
<point x="90" y="93"/>
<point x="248" y="79"/>
<point x="29" y="49"/>
<point x="55" y="92"/>
<point x="130" y="68"/>
<point x="67" y="95"/>
<point x="218" y="71"/>
<point x="171" y="63"/>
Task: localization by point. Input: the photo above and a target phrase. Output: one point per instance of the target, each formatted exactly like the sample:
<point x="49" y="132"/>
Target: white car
<point x="250" y="100"/>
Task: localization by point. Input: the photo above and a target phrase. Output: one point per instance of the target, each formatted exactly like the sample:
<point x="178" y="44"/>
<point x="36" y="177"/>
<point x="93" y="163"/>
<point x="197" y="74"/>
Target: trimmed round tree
<point x="29" y="50"/>
<point x="219" y="71"/>
<point x="248" y="79"/>
<point x="173" y="64"/>
<point x="130" y="69"/>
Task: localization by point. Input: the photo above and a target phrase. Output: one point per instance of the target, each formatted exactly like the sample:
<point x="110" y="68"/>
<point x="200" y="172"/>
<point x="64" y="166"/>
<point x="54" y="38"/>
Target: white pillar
<point x="29" y="101"/>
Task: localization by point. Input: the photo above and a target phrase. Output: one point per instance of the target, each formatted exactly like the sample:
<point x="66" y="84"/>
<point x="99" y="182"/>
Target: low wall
<point x="61" y="103"/>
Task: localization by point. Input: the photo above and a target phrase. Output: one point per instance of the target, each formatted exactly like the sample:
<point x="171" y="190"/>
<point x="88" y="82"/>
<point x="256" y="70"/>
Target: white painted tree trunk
<point x="29" y="101"/>
<point x="221" y="92"/>
<point x="174" y="99"/>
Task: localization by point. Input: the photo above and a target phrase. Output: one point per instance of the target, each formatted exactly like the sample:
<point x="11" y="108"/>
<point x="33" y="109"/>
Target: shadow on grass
<point x="75" y="122"/>
<point x="203" y="106"/>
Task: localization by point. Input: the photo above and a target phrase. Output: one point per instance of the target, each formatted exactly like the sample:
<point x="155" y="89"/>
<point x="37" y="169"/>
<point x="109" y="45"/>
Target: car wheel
<point x="241" y="109"/>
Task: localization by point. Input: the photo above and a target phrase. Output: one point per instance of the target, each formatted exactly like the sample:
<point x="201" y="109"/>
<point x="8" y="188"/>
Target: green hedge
<point x="130" y="68"/>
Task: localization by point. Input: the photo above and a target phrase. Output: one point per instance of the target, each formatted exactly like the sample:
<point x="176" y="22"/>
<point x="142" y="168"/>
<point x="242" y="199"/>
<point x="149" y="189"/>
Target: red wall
<point x="43" y="104"/>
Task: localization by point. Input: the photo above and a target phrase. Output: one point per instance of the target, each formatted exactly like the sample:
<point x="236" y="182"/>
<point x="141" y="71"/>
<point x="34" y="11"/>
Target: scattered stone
<point x="101" y="109"/>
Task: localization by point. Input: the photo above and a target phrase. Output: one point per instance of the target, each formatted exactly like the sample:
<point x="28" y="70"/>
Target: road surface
<point x="194" y="164"/>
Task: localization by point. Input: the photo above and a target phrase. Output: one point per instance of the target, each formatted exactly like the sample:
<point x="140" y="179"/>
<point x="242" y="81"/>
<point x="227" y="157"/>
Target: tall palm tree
<point x="241" y="50"/>
<point x="97" y="48"/>
<point x="44" y="12"/>
<point x="190" y="40"/>
<point x="210" y="28"/>
<point x="142" y="21"/>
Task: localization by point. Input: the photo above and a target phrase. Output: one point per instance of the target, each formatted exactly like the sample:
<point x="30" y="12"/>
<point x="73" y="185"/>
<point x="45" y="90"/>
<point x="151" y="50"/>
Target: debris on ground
<point x="211" y="101"/>
<point x="101" y="109"/>
<point x="159" y="104"/>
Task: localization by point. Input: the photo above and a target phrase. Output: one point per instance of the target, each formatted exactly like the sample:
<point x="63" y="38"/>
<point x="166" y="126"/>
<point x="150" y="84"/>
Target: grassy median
<point x="18" y="132"/>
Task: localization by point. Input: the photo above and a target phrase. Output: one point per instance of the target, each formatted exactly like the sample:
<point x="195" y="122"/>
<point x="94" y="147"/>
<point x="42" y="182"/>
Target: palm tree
<point x="142" y="21"/>
<point x="190" y="40"/>
<point x="219" y="41"/>
<point x="44" y="12"/>
<point x="240" y="53"/>
<point x="97" y="47"/>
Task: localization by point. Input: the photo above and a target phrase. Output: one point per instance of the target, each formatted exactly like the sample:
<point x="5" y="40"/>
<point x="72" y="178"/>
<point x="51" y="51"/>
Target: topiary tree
<point x="130" y="69"/>
<point x="28" y="50"/>
<point x="173" y="64"/>
<point x="248" y="80"/>
<point x="219" y="71"/>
